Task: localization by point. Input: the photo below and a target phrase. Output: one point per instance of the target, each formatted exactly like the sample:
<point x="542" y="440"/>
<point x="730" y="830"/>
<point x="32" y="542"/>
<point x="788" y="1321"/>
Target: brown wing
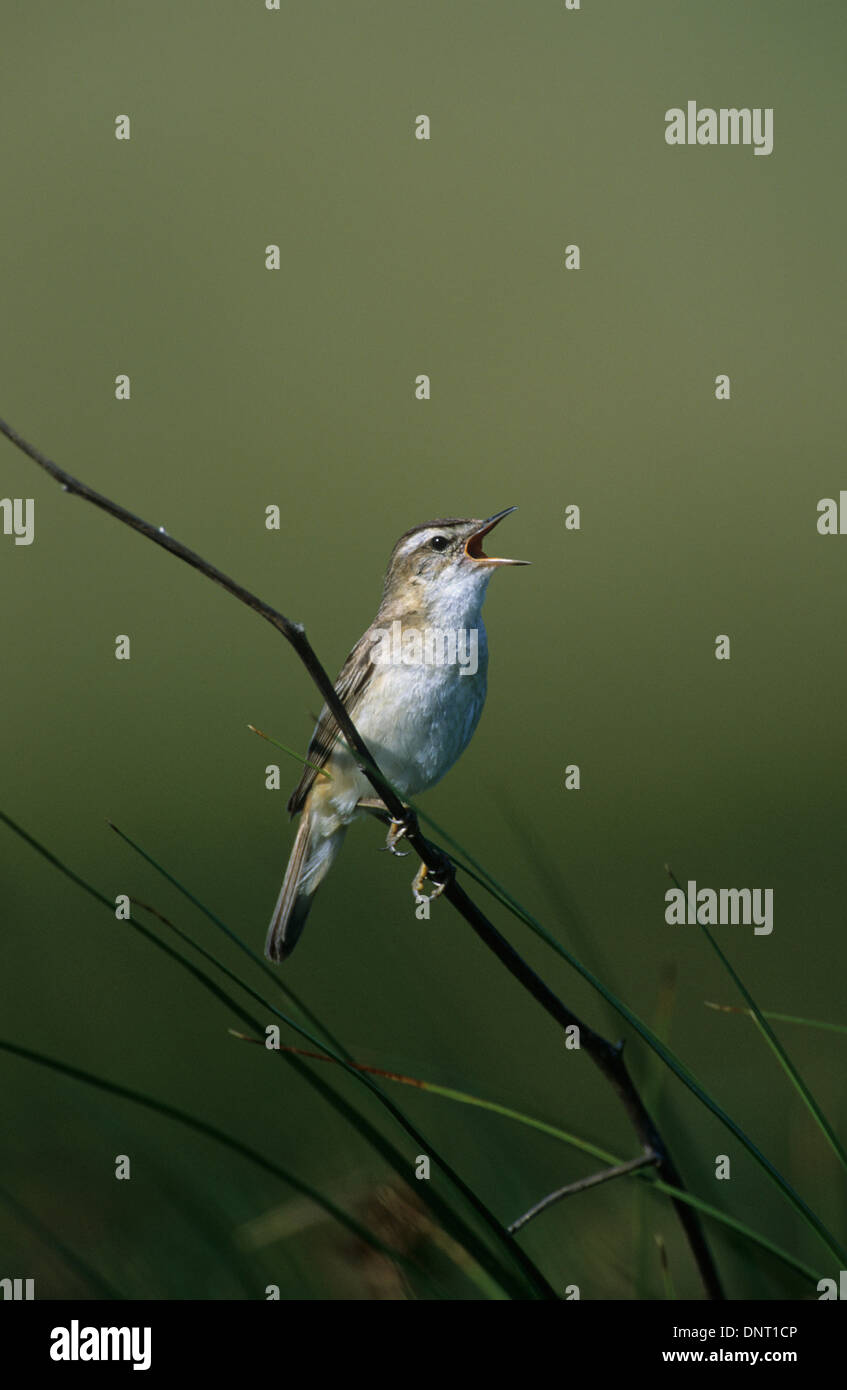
<point x="351" y="682"/>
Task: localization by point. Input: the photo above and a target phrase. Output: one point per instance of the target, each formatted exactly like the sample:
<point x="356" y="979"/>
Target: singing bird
<point x="414" y="686"/>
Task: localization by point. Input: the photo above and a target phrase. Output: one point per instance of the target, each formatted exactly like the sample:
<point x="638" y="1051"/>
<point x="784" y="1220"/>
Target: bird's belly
<point x="419" y="719"/>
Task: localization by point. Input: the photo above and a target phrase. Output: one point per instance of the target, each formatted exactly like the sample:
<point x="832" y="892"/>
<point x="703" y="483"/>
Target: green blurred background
<point x="549" y="387"/>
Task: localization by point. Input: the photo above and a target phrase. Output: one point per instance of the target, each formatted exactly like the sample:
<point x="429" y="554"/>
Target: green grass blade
<point x="777" y="1017"/>
<point x="321" y="771"/>
<point x="664" y="1264"/>
<point x="782" y="1057"/>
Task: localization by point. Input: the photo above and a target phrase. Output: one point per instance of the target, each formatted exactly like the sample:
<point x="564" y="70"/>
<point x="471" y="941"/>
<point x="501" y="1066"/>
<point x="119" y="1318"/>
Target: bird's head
<point x="442" y="561"/>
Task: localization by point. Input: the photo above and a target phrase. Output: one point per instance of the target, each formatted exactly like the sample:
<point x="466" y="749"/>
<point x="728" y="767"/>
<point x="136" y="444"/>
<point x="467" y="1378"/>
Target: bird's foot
<point x="396" y="830"/>
<point x="437" y="886"/>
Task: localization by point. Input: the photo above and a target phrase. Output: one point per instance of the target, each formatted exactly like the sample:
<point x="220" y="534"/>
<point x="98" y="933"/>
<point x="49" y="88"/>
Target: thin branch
<point x="606" y="1055"/>
<point x="582" y="1185"/>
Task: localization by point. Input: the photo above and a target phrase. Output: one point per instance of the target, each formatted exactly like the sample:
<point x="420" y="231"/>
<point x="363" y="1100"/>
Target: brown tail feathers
<point x="308" y="864"/>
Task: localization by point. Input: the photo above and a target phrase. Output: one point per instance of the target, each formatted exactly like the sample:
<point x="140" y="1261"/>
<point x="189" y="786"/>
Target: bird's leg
<point x="396" y="831"/>
<point x="396" y="828"/>
<point x="376" y="806"/>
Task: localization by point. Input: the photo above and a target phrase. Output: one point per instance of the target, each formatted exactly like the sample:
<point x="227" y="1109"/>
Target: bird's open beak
<point x="473" y="545"/>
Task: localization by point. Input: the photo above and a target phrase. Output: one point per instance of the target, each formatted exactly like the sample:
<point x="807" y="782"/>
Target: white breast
<point x="417" y="717"/>
<point x="420" y="718"/>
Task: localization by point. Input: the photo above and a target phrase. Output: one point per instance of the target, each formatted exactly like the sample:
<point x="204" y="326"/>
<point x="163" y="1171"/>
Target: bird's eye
<point x="439" y="542"/>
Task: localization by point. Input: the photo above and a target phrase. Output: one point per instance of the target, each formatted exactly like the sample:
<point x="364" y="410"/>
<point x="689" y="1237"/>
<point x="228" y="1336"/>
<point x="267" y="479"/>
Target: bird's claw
<point x="418" y="882"/>
<point x="396" y="831"/>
